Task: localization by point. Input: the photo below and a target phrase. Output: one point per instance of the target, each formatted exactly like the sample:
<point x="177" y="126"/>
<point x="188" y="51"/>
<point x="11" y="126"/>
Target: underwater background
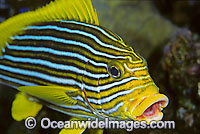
<point x="164" y="32"/>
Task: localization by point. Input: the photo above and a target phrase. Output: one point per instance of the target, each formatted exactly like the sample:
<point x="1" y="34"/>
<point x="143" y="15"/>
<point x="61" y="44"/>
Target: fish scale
<point x="45" y="70"/>
<point x="70" y="63"/>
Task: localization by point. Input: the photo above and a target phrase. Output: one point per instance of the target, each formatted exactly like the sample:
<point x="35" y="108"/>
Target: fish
<point x="61" y="57"/>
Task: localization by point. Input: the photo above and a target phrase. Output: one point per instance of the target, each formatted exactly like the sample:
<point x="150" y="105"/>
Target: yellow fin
<point x="72" y="130"/>
<point x="22" y="107"/>
<point x="54" y="94"/>
<point x="96" y="131"/>
<point x="76" y="10"/>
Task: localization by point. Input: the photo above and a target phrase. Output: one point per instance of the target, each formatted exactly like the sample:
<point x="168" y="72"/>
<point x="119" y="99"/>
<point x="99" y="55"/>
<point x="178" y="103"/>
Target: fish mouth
<point x="148" y="108"/>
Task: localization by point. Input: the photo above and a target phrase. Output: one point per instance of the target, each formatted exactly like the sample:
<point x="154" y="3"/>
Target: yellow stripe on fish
<point x="64" y="59"/>
<point x="58" y="10"/>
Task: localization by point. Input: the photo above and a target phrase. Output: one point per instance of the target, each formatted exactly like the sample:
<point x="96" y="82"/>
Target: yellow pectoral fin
<point x="96" y="131"/>
<point x="53" y="94"/>
<point x="72" y="130"/>
<point x="22" y="107"/>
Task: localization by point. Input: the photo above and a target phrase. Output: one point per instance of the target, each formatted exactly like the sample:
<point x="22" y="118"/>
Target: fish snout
<point x="147" y="108"/>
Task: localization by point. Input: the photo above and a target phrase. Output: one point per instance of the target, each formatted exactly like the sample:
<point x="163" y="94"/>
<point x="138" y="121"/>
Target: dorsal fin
<point x="77" y="10"/>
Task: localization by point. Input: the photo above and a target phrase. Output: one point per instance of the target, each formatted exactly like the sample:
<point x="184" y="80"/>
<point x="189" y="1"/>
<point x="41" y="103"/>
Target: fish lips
<point x="147" y="108"/>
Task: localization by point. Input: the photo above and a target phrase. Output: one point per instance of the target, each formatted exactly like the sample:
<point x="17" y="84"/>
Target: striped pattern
<point x="70" y="53"/>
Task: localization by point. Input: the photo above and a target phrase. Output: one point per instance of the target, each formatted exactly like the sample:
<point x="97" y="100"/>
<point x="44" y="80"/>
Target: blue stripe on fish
<point x="21" y="82"/>
<point x="92" y="26"/>
<point x="56" y="52"/>
<point x="56" y="66"/>
<point x="76" y="32"/>
<point x="72" y="114"/>
<point x="30" y="37"/>
<point x="118" y="83"/>
<point x="40" y="75"/>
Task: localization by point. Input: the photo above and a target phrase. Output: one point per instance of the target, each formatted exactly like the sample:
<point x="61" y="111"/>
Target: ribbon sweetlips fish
<point x="60" y="56"/>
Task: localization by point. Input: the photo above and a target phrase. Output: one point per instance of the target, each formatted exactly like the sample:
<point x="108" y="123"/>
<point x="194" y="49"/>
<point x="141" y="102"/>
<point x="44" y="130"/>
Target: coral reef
<point x="182" y="63"/>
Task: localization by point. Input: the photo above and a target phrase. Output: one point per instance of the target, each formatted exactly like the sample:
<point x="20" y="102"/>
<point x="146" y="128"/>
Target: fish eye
<point x="114" y="72"/>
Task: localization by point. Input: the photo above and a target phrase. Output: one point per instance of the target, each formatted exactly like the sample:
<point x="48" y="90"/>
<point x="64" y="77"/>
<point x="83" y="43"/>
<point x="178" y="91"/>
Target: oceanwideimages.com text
<point x="46" y="123"/>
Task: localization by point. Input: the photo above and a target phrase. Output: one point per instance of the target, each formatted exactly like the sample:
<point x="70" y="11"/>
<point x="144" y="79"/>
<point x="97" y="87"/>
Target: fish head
<point x="132" y="93"/>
